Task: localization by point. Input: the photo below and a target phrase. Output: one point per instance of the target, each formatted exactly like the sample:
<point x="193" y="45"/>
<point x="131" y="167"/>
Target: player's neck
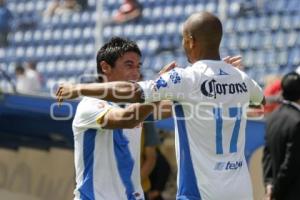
<point x="208" y="55"/>
<point x="211" y="56"/>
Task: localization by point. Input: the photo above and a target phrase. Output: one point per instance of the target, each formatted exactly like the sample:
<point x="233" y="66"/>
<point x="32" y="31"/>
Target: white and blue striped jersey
<point x="107" y="162"/>
<point x="210" y="101"/>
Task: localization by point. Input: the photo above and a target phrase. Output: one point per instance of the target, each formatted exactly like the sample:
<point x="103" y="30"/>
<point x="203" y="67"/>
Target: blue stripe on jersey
<point x="87" y="188"/>
<point x="219" y="125"/>
<point x="187" y="188"/>
<point x="124" y="160"/>
<point x="237" y="113"/>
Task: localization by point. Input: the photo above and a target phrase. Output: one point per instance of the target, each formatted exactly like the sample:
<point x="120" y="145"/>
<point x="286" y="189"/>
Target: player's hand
<point x="167" y="68"/>
<point x="236" y="61"/>
<point x="67" y="91"/>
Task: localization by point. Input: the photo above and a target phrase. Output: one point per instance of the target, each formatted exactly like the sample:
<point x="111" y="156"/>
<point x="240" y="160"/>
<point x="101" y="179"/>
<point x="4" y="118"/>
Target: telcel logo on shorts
<point x="230" y="165"/>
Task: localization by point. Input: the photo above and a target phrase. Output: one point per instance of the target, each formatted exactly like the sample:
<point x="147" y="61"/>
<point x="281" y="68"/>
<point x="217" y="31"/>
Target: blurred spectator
<point x="33" y="74"/>
<point x="150" y="140"/>
<point x="272" y="93"/>
<point x="60" y="7"/>
<point x="6" y="19"/>
<point x="128" y="11"/>
<point x="159" y="177"/>
<point x="281" y="162"/>
<point x="26" y="83"/>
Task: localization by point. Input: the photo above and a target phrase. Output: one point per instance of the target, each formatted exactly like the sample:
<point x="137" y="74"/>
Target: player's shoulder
<point x="186" y="72"/>
<point x="209" y="66"/>
<point x="179" y="75"/>
<point x="241" y="72"/>
<point x="88" y="109"/>
<point x="91" y="105"/>
<point x="232" y="70"/>
<point x="90" y="101"/>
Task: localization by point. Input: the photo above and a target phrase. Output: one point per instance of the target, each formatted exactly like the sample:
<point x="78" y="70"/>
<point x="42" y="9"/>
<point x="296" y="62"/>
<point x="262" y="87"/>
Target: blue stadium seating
<point x="268" y="36"/>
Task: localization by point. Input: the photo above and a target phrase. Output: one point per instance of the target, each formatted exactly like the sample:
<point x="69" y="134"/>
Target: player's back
<point x="107" y="162"/>
<point x="210" y="121"/>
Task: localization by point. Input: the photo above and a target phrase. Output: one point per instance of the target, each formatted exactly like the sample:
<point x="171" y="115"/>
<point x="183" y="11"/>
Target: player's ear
<point x="192" y="42"/>
<point x="106" y="68"/>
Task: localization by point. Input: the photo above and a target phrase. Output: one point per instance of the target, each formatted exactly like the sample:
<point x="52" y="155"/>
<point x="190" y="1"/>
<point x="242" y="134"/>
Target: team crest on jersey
<point x="211" y="88"/>
<point x="160" y="83"/>
<point x="174" y="76"/>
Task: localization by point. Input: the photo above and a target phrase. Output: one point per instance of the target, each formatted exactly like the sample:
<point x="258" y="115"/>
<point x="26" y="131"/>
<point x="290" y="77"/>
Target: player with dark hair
<point x="106" y="136"/>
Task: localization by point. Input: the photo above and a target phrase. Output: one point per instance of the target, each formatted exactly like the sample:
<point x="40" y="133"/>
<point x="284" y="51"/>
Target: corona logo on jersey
<point x="228" y="165"/>
<point x="211" y="88"/>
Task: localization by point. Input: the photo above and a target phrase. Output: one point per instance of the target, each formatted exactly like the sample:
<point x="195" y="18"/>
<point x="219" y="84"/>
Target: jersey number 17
<point x="234" y="112"/>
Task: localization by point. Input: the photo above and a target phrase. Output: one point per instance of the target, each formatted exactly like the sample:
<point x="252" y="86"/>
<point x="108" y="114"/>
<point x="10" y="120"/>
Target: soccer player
<point x="107" y="137"/>
<point x="210" y="99"/>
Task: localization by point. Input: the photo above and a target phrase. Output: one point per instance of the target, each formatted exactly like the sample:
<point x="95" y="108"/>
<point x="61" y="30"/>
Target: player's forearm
<point x="120" y="91"/>
<point x="136" y="113"/>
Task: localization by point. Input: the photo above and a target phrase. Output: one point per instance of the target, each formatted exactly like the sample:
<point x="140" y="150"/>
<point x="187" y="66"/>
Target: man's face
<point x="127" y="68"/>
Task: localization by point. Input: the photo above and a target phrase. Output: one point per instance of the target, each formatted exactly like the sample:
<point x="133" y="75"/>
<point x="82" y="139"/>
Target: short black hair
<point x="113" y="50"/>
<point x="291" y="86"/>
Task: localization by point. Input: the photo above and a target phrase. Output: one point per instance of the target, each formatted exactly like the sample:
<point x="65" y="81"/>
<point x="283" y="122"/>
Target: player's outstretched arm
<point x="113" y="91"/>
<point x="128" y="117"/>
<point x="95" y="114"/>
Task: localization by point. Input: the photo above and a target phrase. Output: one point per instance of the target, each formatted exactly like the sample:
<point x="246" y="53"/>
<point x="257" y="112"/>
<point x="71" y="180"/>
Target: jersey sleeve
<point x="256" y="93"/>
<point x="169" y="86"/>
<point x="90" y="114"/>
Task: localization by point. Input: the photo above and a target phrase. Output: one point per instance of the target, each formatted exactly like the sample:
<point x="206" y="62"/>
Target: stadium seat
<point x="292" y="38"/>
<point x="295" y="20"/>
<point x="211" y="6"/>
<point x="294" y="58"/>
<point x="37" y="36"/>
<point x="280" y="40"/>
<point x="286" y="22"/>
<point x="30" y="52"/>
<point x="267" y="40"/>
<point x="87" y="34"/>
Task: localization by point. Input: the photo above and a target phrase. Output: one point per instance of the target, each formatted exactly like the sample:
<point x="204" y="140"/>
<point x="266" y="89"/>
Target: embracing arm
<point x="128" y="117"/>
<point x="134" y="114"/>
<point x="120" y="91"/>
